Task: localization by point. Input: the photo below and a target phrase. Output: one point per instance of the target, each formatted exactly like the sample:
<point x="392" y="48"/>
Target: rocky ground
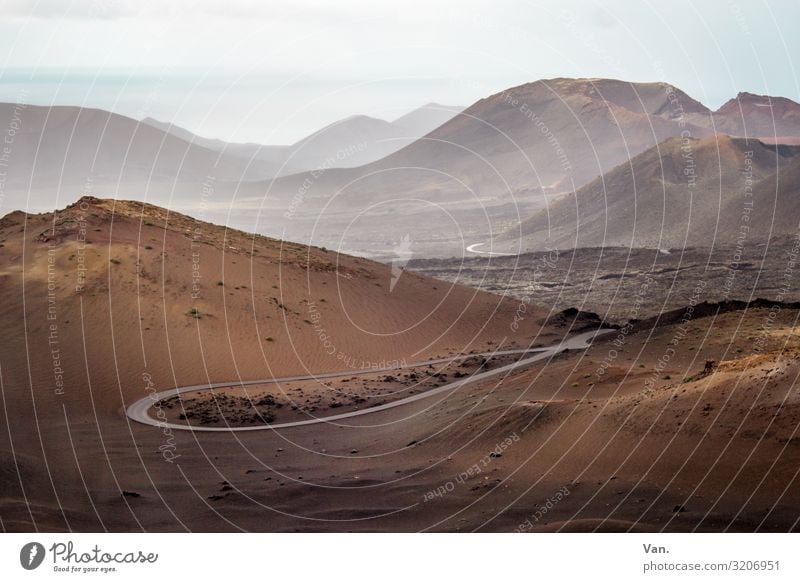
<point x="622" y="284"/>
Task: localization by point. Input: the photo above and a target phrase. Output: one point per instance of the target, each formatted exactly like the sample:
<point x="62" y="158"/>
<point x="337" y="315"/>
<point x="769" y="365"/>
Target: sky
<point x="273" y="72"/>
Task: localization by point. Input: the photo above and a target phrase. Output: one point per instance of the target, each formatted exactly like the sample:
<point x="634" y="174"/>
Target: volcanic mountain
<point x="775" y="119"/>
<point x="708" y="192"/>
<point x="486" y="169"/>
<point x="497" y="162"/>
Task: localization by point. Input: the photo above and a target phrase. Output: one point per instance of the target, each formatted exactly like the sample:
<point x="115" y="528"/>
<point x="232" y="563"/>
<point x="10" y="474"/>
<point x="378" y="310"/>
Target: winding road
<point x="139" y="410"/>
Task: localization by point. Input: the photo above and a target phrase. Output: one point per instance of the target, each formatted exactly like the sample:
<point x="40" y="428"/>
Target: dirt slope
<point x="105" y="301"/>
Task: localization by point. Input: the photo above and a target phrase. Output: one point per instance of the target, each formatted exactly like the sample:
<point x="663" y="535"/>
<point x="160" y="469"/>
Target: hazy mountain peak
<point x="748" y="101"/>
<point x="750" y="114"/>
<point x="426" y="118"/>
<point x="651" y="98"/>
<point x="349" y="124"/>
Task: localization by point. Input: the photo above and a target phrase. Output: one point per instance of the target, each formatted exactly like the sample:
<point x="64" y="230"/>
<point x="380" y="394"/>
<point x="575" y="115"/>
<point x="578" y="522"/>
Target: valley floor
<point x="622" y="284"/>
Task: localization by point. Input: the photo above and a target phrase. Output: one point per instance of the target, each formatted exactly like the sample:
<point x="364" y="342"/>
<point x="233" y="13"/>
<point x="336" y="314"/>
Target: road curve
<point x="474" y="249"/>
<point x="138" y="411"/>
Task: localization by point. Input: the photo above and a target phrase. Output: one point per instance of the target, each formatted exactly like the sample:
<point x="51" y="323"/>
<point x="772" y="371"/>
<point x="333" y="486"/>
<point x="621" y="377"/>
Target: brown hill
<point x="553" y="132"/>
<point x="707" y="192"/>
<point x="749" y="115"/>
<point x="105" y="301"/>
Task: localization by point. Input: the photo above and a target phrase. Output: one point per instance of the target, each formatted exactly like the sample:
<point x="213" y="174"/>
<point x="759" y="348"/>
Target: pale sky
<point x="272" y="72"/>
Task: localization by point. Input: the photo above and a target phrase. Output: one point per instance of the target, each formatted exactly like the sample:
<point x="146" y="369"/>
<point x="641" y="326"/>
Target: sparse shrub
<point x="194" y="312"/>
<point x="116" y="261"/>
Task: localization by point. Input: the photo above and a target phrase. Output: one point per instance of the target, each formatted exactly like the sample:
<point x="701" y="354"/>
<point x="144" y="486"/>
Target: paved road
<point x="139" y="410"/>
<point x="474" y="249"/>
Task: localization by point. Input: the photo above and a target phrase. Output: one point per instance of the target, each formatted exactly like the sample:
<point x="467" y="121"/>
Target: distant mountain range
<point x="508" y="168"/>
<point x="501" y="161"/>
<point x="60" y="152"/>
<point x="350" y="142"/>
